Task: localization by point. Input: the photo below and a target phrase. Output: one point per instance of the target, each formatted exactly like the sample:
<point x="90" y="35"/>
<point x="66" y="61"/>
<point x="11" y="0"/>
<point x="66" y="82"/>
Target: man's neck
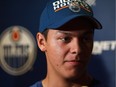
<point x="85" y="81"/>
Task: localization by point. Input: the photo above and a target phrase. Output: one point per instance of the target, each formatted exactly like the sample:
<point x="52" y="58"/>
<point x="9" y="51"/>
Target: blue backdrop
<point x="26" y="13"/>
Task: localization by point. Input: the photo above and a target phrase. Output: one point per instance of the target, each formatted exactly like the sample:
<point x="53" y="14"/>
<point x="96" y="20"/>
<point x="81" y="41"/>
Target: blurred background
<point x="24" y="15"/>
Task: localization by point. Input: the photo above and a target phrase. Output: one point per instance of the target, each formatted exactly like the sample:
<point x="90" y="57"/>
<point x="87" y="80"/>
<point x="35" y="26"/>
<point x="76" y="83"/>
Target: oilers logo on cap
<point x="74" y="5"/>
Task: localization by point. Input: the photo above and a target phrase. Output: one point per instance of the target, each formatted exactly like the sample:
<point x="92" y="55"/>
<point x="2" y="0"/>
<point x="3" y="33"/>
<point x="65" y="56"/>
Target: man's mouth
<point x="74" y="62"/>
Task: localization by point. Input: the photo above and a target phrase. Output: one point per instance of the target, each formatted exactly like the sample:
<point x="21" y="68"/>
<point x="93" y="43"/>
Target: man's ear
<point x="41" y="42"/>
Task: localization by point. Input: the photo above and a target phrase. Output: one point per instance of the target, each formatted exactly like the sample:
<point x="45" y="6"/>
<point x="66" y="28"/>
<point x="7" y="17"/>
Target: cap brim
<point x="60" y="23"/>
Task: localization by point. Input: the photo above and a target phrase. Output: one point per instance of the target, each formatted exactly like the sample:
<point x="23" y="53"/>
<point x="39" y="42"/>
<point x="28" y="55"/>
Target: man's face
<point x="68" y="49"/>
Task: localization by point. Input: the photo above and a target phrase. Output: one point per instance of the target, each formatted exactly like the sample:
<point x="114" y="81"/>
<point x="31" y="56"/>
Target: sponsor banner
<point x="103" y="46"/>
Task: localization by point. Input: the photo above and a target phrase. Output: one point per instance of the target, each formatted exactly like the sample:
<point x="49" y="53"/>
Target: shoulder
<point x="97" y="83"/>
<point x="37" y="84"/>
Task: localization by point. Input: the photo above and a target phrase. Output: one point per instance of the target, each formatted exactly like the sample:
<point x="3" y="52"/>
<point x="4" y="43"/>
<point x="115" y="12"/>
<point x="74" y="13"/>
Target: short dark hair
<point x="45" y="33"/>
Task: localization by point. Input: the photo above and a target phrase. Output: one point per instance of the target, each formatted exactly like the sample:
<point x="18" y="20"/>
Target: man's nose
<point x="76" y="47"/>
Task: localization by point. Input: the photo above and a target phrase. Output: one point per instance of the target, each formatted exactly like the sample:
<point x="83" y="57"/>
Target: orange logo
<point x="15" y="35"/>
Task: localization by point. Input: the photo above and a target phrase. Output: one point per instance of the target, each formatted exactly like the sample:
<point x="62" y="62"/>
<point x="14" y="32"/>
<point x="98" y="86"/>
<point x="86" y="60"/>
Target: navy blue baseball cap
<point x="58" y="12"/>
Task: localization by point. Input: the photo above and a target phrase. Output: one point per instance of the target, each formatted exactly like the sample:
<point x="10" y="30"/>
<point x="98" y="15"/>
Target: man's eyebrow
<point x="70" y="33"/>
<point x="65" y="32"/>
<point x="90" y="31"/>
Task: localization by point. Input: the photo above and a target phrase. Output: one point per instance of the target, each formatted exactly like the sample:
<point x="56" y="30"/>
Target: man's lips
<point x="74" y="62"/>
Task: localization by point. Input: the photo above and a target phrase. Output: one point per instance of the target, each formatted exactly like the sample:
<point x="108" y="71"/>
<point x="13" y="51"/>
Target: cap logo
<point x="74" y="5"/>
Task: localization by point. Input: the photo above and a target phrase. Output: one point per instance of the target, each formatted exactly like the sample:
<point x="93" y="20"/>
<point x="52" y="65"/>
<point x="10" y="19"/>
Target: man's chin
<point x="76" y="74"/>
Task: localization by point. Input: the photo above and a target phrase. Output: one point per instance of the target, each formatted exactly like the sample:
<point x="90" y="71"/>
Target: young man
<point x="66" y="36"/>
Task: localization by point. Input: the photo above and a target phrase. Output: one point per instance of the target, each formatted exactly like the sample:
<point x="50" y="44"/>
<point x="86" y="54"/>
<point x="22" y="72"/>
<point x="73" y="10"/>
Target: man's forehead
<point x="72" y="32"/>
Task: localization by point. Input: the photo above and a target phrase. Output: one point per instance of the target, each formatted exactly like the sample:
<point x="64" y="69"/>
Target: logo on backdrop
<point x="103" y="46"/>
<point x="17" y="50"/>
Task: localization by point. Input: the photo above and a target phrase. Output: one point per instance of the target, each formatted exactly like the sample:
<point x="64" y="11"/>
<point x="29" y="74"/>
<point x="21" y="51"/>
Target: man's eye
<point x="87" y="39"/>
<point x="66" y="39"/>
